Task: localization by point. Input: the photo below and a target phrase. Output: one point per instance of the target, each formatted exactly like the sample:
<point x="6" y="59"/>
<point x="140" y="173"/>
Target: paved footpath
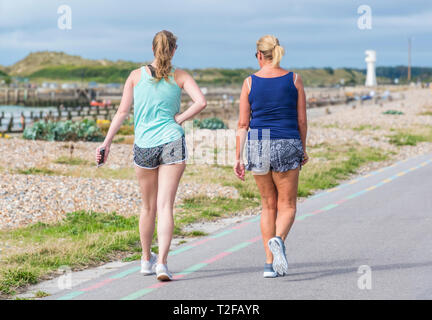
<point x="381" y="221"/>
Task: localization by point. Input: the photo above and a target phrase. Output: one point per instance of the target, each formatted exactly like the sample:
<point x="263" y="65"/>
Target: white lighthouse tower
<point x="370" y="75"/>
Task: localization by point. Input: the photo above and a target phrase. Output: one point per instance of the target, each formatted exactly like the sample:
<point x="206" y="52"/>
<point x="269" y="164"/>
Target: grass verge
<point x="82" y="239"/>
<point x="337" y="163"/>
<point x="73" y="161"/>
<point x="35" y="170"/>
<point x="411" y="138"/>
<point x="366" y="127"/>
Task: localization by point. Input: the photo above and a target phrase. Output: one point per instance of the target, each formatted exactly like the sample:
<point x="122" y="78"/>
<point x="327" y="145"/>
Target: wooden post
<point x="23" y="123"/>
<point x="10" y="125"/>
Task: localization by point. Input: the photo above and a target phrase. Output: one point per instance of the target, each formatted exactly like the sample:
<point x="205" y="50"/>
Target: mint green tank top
<point x="155" y="105"/>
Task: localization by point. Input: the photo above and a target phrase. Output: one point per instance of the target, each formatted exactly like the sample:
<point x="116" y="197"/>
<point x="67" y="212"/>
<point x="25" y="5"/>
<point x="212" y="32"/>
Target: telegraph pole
<point x="409" y="59"/>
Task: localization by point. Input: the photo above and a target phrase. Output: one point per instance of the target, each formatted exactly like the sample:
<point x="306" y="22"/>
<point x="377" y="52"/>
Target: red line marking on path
<point x="217" y="257"/>
<point x="98" y="285"/>
<point x="254" y="239"/>
<point x="201" y="241"/>
<point x="157" y="285"/>
<point x="341" y="201"/>
<point x="316" y="211"/>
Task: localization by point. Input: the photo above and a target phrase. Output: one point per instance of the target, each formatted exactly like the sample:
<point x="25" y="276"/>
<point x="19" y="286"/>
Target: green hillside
<point x="59" y="66"/>
<point x="102" y="74"/>
<point x="36" y="61"/>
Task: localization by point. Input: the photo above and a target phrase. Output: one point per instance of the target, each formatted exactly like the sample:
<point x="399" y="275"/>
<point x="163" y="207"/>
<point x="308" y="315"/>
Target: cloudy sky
<point x="221" y="33"/>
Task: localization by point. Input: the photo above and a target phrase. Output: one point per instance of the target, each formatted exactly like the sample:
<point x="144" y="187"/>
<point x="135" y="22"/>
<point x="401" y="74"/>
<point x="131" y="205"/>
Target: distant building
<point x="49" y="85"/>
<point x="69" y="86"/>
<point x="113" y="85"/>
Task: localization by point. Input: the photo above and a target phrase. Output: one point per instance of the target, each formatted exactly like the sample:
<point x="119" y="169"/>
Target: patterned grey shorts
<point x="168" y="153"/>
<point x="274" y="155"/>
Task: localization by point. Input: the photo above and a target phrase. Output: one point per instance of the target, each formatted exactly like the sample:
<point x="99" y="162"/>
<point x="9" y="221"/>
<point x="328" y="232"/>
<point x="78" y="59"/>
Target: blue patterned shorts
<point x="274" y="155"/>
<point x="167" y="153"/>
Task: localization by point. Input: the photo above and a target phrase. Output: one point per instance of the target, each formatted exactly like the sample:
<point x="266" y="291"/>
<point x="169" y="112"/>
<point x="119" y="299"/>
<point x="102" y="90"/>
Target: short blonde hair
<point x="271" y="49"/>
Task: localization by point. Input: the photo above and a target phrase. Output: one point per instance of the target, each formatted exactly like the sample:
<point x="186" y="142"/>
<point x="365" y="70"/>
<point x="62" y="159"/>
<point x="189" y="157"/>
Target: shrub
<point x="393" y="112"/>
<point x="85" y="130"/>
<point x="210" y="123"/>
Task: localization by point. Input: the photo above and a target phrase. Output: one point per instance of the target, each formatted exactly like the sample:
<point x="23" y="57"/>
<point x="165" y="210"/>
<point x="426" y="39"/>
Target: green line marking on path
<point x="71" y="295"/>
<point x="138" y="294"/>
<point x="185" y="248"/>
<point x="330" y="206"/>
<point x="239" y="246"/>
<point x="125" y="273"/>
<point x="221" y="234"/>
<point x="304" y="216"/>
<point x="193" y="268"/>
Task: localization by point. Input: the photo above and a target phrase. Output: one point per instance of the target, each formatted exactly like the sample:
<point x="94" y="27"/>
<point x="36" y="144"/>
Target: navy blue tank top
<point x="273" y="104"/>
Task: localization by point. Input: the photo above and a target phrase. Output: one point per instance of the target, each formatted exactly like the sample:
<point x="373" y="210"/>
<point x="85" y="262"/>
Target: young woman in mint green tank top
<point x="155" y="105"/>
<point x="159" y="146"/>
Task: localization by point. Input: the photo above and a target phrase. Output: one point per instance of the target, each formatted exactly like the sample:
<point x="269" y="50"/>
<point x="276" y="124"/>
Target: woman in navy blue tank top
<point x="273" y="125"/>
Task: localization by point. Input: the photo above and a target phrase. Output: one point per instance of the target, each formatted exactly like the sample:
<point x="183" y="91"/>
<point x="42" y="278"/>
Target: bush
<point x="210" y="123"/>
<point x="396" y="112"/>
<point x="85" y="130"/>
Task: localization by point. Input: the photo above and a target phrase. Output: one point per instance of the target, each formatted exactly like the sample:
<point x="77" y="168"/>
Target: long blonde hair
<point x="164" y="43"/>
<point x="269" y="46"/>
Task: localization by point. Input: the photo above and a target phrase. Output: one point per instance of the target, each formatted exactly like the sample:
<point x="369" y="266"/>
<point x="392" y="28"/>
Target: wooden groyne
<point x="17" y="122"/>
<point x="52" y="97"/>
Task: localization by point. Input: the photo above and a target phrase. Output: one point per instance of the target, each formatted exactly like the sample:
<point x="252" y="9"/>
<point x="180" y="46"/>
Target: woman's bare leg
<point x="269" y="197"/>
<point x="168" y="181"/>
<point x="286" y="185"/>
<point x="148" y="180"/>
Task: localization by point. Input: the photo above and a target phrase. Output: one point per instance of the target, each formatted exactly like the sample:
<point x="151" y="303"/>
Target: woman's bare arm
<point x="186" y="82"/>
<point x="301" y="112"/>
<point x="243" y="123"/>
<point x="242" y="129"/>
<point x="124" y="108"/>
<point x="121" y="114"/>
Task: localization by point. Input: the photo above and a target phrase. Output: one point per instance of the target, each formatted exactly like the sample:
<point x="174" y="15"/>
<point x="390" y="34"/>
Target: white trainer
<point x="162" y="272"/>
<point x="147" y="267"/>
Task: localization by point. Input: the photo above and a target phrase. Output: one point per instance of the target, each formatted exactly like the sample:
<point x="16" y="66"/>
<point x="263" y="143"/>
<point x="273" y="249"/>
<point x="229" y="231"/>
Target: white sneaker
<point x="280" y="262"/>
<point x="162" y="273"/>
<point x="147" y="267"/>
<point x="269" y="272"/>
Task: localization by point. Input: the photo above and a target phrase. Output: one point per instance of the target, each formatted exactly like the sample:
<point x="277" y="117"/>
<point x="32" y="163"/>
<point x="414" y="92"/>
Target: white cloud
<point x="212" y="32"/>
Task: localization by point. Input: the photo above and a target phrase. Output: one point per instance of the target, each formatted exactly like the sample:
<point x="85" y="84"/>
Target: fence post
<point x="10" y="125"/>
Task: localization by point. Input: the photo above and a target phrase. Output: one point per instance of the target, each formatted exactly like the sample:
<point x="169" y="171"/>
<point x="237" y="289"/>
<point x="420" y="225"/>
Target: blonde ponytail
<point x="277" y="54"/>
<point x="271" y="49"/>
<point x="164" y="43"/>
